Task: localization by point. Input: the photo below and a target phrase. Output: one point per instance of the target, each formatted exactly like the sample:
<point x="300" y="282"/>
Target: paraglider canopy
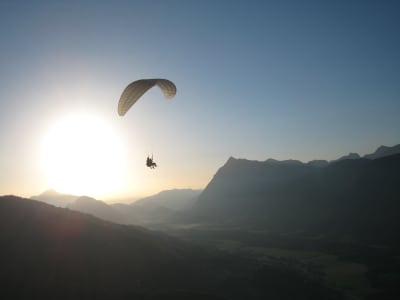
<point x="136" y="89"/>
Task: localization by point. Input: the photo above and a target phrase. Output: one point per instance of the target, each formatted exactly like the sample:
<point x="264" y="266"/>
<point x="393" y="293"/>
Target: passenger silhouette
<point x="150" y="163"/>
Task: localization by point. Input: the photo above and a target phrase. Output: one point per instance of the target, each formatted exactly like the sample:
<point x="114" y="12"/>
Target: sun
<point x="82" y="155"/>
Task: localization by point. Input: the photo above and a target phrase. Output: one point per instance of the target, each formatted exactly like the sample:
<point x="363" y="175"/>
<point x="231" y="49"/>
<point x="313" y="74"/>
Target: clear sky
<point x="256" y="79"/>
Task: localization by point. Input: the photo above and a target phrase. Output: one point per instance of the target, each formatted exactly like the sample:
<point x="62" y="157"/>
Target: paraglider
<point x="135" y="90"/>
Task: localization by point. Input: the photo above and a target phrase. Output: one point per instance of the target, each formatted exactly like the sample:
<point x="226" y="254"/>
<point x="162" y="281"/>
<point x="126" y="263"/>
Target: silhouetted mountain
<point x="241" y="182"/>
<point x="98" y="209"/>
<point x="54" y="198"/>
<point x="319" y="163"/>
<point x="349" y="156"/>
<point x="383" y="151"/>
<point x="354" y="196"/>
<point x="55" y="253"/>
<point x="177" y="199"/>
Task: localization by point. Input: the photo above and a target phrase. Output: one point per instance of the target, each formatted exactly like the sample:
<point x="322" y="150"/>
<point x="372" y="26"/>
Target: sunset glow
<point x="82" y="155"/>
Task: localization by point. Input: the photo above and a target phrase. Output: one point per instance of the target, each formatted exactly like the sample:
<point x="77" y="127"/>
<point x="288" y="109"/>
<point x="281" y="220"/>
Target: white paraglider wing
<point x="136" y="89"/>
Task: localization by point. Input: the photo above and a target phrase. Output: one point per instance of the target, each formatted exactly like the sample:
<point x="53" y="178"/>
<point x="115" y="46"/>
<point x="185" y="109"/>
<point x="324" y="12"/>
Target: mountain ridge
<point x="55" y="198"/>
<point x="380" y="152"/>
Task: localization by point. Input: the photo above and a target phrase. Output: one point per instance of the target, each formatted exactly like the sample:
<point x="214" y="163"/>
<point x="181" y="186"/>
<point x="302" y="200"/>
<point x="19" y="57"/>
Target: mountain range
<point x="153" y="209"/>
<point x="351" y="195"/>
<point x="356" y="197"/>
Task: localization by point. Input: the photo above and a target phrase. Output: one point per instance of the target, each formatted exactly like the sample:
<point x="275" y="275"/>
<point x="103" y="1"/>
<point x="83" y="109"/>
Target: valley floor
<point x="355" y="270"/>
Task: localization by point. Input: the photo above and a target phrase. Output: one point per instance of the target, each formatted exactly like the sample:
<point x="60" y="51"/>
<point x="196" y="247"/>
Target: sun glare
<point x="82" y="155"/>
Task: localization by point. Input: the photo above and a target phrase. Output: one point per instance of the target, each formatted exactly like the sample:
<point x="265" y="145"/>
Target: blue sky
<point x="255" y="79"/>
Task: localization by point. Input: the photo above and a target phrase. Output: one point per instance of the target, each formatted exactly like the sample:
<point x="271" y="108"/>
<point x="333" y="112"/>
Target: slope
<point x="49" y="252"/>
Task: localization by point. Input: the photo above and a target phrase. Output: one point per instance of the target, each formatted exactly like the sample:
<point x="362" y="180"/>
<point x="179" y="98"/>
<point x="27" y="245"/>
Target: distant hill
<point x="349" y="156"/>
<point x="318" y="163"/>
<point x="55" y="253"/>
<point x="354" y="196"/>
<point x="54" y="198"/>
<point x="177" y="199"/>
<point x="164" y="207"/>
<point x="154" y="209"/>
<point x="383" y="151"/>
<point x="99" y="209"/>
